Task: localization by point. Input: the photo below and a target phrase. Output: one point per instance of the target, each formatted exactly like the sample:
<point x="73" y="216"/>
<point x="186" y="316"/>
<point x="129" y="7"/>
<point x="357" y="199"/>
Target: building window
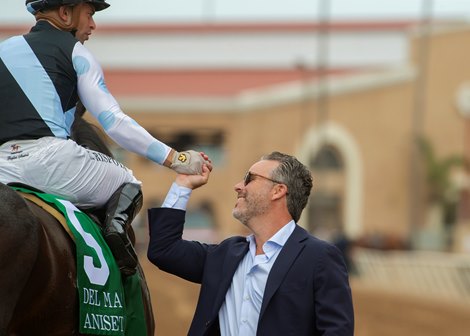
<point x="327" y="158"/>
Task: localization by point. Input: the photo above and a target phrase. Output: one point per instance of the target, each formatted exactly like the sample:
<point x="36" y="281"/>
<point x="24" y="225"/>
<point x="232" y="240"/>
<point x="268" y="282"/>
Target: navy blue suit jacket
<point x="307" y="291"/>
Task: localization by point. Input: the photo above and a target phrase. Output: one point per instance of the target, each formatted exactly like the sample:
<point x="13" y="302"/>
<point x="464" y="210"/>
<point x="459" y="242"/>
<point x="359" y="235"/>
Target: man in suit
<point x="279" y="280"/>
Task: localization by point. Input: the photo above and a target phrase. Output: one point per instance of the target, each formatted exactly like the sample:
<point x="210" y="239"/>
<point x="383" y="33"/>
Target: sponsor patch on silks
<point x="108" y="305"/>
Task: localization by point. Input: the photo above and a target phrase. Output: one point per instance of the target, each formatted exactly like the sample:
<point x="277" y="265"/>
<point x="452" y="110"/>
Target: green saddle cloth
<point x="109" y="304"/>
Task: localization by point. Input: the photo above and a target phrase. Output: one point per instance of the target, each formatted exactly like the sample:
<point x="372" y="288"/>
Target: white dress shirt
<point x="239" y="313"/>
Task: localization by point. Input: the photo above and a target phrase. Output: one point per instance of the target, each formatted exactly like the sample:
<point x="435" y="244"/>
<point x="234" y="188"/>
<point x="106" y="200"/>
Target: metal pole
<point x="322" y="62"/>
<point x="418" y="119"/>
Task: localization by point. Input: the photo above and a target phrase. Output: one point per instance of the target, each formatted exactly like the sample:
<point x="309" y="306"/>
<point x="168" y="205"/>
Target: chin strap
<point x="53" y="17"/>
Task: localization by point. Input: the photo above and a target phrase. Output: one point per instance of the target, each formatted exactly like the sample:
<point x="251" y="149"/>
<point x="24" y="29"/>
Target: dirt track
<point x="378" y="312"/>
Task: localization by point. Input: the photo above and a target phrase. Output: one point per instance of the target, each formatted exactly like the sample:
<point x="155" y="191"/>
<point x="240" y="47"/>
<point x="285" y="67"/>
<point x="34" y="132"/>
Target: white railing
<point x="433" y="274"/>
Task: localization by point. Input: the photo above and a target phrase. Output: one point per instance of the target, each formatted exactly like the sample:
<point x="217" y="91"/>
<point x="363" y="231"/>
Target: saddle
<point x="95" y="214"/>
<point x="113" y="221"/>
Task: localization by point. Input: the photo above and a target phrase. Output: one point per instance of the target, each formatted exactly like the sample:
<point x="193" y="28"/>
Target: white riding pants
<point x="63" y="168"/>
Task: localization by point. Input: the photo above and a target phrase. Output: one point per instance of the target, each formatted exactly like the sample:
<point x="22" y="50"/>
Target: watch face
<point x="463" y="99"/>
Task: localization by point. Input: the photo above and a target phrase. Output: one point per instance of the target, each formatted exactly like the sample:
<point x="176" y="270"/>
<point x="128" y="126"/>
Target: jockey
<point x="43" y="74"/>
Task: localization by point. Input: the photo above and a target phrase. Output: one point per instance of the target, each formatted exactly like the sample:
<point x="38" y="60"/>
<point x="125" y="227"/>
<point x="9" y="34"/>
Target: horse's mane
<point x="87" y="134"/>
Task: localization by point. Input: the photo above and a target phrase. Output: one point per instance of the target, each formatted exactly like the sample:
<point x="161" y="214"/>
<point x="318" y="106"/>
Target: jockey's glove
<point x="188" y="162"/>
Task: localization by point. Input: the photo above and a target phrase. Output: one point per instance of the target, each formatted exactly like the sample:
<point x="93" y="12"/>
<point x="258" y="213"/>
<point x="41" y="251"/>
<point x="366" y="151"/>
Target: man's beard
<point x="253" y="207"/>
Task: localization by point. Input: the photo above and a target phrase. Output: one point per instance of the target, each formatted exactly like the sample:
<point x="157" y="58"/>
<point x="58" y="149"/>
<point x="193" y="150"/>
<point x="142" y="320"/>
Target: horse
<point x="38" y="286"/>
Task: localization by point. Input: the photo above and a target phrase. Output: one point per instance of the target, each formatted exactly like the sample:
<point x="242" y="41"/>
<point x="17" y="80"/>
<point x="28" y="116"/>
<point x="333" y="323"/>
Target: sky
<point x="164" y="11"/>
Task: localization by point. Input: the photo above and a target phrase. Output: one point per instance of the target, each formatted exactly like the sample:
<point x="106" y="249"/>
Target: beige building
<point x="349" y="103"/>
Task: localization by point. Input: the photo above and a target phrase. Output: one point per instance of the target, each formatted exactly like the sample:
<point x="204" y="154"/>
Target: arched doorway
<point x="325" y="209"/>
<point x="331" y="148"/>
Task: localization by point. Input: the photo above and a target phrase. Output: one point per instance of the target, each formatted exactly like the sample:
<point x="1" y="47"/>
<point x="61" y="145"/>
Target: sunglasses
<point x="250" y="177"/>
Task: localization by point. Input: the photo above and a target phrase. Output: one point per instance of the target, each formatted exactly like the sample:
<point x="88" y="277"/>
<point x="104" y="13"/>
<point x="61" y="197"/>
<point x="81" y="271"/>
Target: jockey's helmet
<point x="34" y="6"/>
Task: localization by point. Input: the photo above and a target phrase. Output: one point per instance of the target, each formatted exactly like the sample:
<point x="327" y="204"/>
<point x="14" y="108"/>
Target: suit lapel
<point x="234" y="255"/>
<point x="281" y="266"/>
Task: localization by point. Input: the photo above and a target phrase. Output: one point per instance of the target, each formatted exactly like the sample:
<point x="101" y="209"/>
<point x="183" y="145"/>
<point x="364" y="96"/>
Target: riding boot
<point x="121" y="209"/>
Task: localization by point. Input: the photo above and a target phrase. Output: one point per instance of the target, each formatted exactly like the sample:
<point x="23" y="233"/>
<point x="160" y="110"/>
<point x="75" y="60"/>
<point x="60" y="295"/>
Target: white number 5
<point x="96" y="275"/>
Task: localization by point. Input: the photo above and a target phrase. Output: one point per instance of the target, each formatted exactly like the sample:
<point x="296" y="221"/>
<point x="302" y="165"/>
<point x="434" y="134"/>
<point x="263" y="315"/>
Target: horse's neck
<point x="89" y="136"/>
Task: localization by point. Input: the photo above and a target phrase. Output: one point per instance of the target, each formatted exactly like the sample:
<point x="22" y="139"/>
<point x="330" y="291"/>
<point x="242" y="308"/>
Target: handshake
<point x="189" y="162"/>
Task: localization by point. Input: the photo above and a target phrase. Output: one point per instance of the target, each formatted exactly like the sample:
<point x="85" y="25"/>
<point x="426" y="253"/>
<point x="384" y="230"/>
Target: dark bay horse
<point x="38" y="289"/>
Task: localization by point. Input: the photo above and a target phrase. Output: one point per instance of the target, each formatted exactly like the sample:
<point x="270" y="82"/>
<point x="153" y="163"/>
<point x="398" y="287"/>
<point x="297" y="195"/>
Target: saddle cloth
<point x="108" y="304"/>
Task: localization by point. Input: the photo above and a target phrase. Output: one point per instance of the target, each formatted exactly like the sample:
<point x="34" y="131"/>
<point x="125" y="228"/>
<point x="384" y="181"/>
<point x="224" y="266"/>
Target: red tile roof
<point x="200" y="82"/>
